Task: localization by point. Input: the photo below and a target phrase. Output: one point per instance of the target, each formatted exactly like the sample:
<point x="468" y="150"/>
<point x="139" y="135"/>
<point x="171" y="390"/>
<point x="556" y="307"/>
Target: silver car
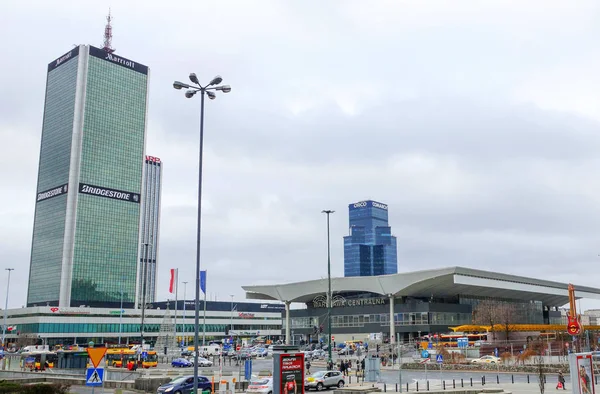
<point x="324" y="379"/>
<point x="261" y="385"/>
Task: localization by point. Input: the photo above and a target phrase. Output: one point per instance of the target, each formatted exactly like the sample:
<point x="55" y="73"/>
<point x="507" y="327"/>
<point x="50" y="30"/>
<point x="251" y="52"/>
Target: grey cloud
<point x="406" y="103"/>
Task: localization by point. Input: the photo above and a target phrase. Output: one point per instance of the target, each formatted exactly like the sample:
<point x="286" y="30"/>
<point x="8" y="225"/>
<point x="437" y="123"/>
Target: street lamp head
<point x="194" y="78"/>
<point x="224" y="88"/>
<point x="190" y="93"/>
<point x="327" y="211"/>
<point x="216" y="80"/>
<point x="211" y="95"/>
<point x="179" y="85"/>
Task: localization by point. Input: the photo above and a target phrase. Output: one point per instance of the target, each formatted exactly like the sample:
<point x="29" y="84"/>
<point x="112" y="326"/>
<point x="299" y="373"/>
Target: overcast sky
<point x="478" y="122"/>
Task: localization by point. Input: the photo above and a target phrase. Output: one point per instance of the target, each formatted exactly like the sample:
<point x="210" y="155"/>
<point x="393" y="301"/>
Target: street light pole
<point x="191" y="92"/>
<point x="328" y="212"/>
<point x="231" y="314"/>
<point x="184" y="290"/>
<point x="121" y="310"/>
<point x="144" y="275"/>
<point x="6" y="306"/>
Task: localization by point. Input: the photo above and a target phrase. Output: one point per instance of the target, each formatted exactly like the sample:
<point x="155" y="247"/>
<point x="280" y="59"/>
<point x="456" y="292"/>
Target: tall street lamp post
<point x="328" y="212"/>
<point x="184" y="291"/>
<point x="231" y="315"/>
<point x="207" y="90"/>
<point x="144" y="280"/>
<point x="6" y="306"/>
<point x="121" y="310"/>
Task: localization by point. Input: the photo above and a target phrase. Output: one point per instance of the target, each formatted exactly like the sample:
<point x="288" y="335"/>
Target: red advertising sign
<point x="585" y="375"/>
<point x="292" y="373"/>
<point x="153" y="158"/>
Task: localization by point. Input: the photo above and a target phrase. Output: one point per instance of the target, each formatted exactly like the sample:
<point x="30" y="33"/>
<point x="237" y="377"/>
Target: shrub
<point x="40" y="388"/>
<point x="506" y="357"/>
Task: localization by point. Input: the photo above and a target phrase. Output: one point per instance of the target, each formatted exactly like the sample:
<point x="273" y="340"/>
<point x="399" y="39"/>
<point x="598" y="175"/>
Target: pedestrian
<point x="561" y="381"/>
<point x="308" y="367"/>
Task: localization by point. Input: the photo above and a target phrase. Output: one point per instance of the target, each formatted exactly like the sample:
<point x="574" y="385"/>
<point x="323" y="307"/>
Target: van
<point x="211" y="350"/>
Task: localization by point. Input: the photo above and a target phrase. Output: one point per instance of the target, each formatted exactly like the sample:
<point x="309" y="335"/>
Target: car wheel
<point x="320" y="387"/>
<point x="340" y="384"/>
<point x="177" y="392"/>
<point x="492" y="362"/>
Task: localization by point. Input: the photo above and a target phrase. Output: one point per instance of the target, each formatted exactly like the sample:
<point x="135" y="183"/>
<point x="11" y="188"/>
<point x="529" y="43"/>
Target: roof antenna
<point x="108" y="35"/>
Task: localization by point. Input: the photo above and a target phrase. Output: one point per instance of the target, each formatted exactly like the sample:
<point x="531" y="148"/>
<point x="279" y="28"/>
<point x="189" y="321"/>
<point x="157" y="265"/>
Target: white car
<point x="487" y="360"/>
<point x="202" y="362"/>
<point x="261" y="385"/>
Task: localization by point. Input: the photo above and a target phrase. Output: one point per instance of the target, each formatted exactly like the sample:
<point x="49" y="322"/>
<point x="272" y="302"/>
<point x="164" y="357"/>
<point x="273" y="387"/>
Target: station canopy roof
<point x="443" y="282"/>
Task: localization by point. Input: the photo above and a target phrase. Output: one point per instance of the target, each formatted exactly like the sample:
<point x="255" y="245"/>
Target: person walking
<point x="308" y="367"/>
<point x="561" y="381"/>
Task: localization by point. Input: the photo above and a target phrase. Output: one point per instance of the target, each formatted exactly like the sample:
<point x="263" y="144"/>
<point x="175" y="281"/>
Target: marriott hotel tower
<point x="86" y="233"/>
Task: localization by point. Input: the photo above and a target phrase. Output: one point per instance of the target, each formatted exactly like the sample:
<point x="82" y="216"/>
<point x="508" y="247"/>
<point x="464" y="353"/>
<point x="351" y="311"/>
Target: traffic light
<point x="321" y="328"/>
<point x="315" y="330"/>
<point x="377" y="348"/>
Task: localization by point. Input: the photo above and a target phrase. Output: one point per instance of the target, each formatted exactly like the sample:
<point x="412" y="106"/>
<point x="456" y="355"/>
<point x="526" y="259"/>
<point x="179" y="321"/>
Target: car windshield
<point x="178" y="380"/>
<point x="259" y="382"/>
<point x="318" y="374"/>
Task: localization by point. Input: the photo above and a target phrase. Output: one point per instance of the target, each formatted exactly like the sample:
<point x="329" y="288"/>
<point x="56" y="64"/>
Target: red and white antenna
<point x="108" y="35"/>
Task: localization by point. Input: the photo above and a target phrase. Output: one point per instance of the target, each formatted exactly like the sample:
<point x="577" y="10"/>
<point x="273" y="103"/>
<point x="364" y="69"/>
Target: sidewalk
<point x="515" y="388"/>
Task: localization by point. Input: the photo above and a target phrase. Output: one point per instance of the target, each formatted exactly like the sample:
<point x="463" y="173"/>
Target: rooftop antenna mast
<point x="108" y="35"/>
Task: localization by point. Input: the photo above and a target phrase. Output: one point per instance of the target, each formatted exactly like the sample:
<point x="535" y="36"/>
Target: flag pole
<point x="176" y="291"/>
<point x="204" y="314"/>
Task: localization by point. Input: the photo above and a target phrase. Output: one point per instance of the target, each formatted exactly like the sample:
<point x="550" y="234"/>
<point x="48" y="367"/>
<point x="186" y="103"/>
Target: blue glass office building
<point x="370" y="249"/>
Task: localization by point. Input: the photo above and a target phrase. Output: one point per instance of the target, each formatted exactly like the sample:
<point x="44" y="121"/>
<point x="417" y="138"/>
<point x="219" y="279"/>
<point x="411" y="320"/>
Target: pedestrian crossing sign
<point x="94" y="376"/>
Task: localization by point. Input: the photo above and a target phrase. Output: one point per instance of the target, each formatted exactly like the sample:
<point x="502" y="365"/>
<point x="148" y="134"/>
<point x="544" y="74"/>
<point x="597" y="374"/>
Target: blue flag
<point x="203" y="281"/>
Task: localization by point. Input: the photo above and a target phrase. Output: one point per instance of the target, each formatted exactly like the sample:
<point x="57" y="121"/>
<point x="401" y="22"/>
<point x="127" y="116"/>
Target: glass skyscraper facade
<point x="87" y="217"/>
<point x="152" y="190"/>
<point x="370" y="248"/>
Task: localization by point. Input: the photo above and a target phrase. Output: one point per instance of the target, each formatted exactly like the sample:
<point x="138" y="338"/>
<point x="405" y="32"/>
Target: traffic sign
<point x="94" y="377"/>
<point x="439" y="358"/>
<point x="144" y="355"/>
<point x="424" y="354"/>
<point x="96" y="355"/>
<point x="496" y="352"/>
<point x="463" y="342"/>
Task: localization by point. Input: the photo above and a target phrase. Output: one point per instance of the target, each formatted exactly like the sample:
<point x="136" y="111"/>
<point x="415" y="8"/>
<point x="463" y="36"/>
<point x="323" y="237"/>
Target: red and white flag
<point x="173" y="280"/>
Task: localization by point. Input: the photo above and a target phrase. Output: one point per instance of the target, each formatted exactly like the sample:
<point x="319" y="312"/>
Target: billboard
<point x="291" y="378"/>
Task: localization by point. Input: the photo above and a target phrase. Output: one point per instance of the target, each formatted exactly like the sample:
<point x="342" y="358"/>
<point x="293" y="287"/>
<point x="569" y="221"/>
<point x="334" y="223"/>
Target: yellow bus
<point x="118" y="357"/>
<point x="33" y="361"/>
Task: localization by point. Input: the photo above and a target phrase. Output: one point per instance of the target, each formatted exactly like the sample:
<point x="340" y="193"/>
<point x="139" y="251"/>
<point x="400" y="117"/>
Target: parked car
<point x="487" y="360"/>
<point x="181" y="363"/>
<point x="262" y="385"/>
<point x="184" y="385"/>
<point x="324" y="379"/>
<point x="202" y="362"/>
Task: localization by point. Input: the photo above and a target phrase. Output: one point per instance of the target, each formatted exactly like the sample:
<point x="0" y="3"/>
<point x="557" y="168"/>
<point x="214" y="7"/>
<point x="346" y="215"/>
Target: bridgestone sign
<point x="109" y="193"/>
<point x="56" y="191"/>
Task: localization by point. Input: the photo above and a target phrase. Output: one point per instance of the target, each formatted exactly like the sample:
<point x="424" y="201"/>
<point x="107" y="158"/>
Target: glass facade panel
<point x="53" y="172"/>
<point x="107" y="237"/>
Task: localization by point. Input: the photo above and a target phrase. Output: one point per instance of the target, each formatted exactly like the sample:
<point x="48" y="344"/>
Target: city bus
<point x="33" y="361"/>
<point x="120" y="358"/>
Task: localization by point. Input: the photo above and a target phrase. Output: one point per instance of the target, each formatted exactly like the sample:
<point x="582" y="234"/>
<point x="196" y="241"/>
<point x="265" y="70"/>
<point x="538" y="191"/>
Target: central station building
<point x="407" y="305"/>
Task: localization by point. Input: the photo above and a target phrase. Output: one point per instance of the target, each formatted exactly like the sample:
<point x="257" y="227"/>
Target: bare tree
<point x="496" y="314"/>
<point x="506" y="315"/>
<point x="26" y="340"/>
<point x="483" y="314"/>
<point x="538" y="347"/>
